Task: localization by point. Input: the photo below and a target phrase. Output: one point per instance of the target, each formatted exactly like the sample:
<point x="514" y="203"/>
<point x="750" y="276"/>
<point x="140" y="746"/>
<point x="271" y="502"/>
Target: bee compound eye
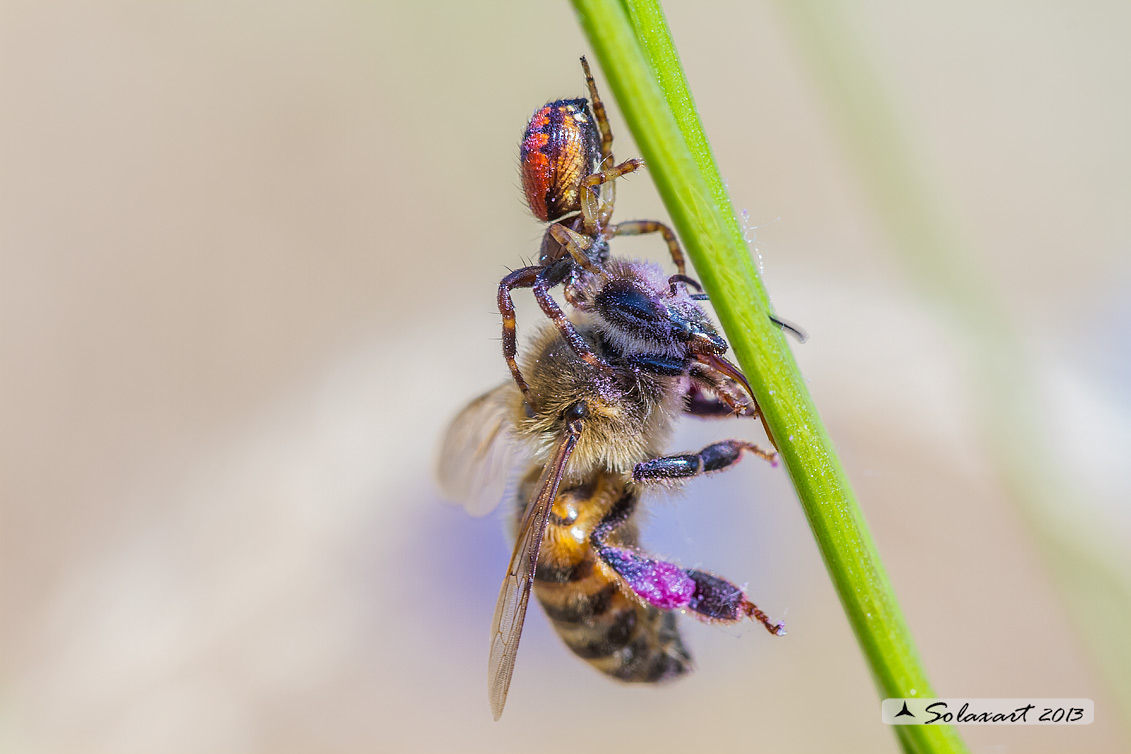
<point x="625" y="304"/>
<point x="579" y="410"/>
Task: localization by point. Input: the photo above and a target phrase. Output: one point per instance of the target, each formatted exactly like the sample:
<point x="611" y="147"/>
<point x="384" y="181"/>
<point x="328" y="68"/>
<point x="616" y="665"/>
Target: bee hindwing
<point x="479" y="457"/>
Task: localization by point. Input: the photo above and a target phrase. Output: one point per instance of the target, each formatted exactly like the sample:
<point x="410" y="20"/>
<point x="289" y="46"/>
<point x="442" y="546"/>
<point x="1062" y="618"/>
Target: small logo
<point x="959" y="711"/>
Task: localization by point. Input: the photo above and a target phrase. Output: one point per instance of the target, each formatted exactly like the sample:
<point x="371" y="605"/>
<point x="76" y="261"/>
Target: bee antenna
<point x="686" y="281"/>
<point x="790" y="328"/>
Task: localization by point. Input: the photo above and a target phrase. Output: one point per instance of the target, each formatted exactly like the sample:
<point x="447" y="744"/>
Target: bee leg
<point x="730" y="397"/>
<point x="669" y="587"/>
<point x="700" y="405"/>
<point x="655" y="582"/>
<point x="716" y="599"/>
<point x="640" y="227"/>
<point x="711" y="458"/>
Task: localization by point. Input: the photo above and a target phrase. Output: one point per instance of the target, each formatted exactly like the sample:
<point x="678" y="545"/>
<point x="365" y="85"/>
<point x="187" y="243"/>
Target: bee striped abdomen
<point x="591" y="611"/>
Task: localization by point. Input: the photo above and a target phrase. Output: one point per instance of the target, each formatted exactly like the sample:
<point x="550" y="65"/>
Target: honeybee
<point x="569" y="180"/>
<point x="581" y="453"/>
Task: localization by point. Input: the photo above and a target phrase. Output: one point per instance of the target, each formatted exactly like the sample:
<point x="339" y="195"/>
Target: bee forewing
<point x="479" y="456"/>
<point x="510" y="611"/>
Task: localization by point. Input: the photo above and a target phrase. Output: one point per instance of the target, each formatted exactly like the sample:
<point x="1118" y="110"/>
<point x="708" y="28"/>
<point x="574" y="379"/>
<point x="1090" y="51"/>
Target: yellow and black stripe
<point x="600" y="620"/>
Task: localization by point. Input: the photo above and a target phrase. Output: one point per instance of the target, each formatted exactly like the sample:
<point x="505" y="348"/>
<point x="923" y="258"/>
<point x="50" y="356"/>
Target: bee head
<point x="639" y="312"/>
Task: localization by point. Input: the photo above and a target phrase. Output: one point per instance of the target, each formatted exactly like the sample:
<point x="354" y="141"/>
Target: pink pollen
<point x="664" y="585"/>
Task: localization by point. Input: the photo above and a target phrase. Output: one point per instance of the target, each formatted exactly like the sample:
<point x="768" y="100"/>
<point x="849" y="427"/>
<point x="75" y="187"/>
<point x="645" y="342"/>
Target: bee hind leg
<point x="716" y="599"/>
<point x="669" y="587"/>
<point x="714" y="457"/>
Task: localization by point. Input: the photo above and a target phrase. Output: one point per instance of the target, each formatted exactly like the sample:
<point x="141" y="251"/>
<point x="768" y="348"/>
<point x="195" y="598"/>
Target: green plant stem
<point x="634" y="47"/>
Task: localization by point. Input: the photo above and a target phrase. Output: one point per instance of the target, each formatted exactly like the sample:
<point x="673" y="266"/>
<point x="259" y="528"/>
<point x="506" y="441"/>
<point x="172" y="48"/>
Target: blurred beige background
<point x="247" y="264"/>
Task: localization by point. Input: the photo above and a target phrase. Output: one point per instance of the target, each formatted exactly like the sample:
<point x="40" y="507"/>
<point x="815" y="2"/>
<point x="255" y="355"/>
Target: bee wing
<point x="479" y="456"/>
<point x="510" y="611"/>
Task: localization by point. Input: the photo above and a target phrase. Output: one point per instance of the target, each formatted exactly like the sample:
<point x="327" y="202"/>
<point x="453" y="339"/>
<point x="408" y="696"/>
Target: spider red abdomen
<point x="560" y="147"/>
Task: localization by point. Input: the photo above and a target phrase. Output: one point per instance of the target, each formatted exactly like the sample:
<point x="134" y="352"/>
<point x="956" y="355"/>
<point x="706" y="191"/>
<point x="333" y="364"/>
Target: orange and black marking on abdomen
<point x="599" y="620"/>
<point x="560" y="147"/>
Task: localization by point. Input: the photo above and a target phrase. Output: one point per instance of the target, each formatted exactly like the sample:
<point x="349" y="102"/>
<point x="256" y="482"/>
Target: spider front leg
<point x="714" y="457"/>
<point x="577" y="246"/>
<point x="546" y="279"/>
<point x="521" y="278"/>
<point x="641" y="227"/>
<point x="540" y="280"/>
<point x="669" y="587"/>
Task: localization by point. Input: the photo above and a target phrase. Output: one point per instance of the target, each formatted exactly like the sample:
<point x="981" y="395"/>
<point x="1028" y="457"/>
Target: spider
<point x="568" y="176"/>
